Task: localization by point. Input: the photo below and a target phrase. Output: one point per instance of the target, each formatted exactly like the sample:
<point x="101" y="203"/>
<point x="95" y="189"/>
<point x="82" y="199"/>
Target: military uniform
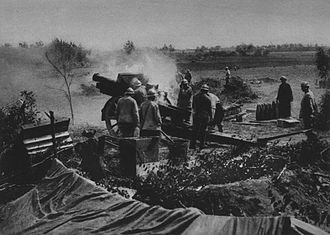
<point x="308" y="109"/>
<point x="202" y="115"/>
<point x="284" y="97"/>
<point x="185" y="102"/>
<point x="140" y="95"/>
<point x="127" y="113"/>
<point x="150" y="119"/>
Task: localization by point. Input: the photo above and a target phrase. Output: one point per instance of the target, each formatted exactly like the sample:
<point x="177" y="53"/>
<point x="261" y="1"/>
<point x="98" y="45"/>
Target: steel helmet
<point x="205" y="87"/>
<point x="304" y="84"/>
<point x="184" y="81"/>
<point x="283" y="78"/>
<point x="129" y="91"/>
<point x="151" y="93"/>
<point x="136" y="82"/>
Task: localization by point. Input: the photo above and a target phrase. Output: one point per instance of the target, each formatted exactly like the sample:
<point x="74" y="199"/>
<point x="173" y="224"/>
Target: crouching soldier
<point x="127" y="114"/>
<point x="150" y="116"/>
<point x="202" y="115"/>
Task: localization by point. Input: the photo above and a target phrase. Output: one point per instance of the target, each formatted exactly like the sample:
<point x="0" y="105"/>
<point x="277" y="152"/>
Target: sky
<point x="108" y="24"/>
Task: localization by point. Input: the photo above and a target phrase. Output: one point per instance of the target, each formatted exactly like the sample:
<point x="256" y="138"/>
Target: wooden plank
<point x="34" y="130"/>
<point x="264" y="140"/>
<point x="218" y="137"/>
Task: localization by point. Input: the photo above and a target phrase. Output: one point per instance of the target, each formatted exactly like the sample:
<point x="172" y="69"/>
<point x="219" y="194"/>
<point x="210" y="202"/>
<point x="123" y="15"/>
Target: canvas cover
<point x="65" y="203"/>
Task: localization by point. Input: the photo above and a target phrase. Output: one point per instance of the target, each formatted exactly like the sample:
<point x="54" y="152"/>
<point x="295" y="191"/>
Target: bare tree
<point x="64" y="57"/>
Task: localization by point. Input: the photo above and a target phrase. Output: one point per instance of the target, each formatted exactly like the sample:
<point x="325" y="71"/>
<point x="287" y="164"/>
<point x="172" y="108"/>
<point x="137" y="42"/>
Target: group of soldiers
<point x="308" y="107"/>
<point x="138" y="110"/>
<point x="206" y="109"/>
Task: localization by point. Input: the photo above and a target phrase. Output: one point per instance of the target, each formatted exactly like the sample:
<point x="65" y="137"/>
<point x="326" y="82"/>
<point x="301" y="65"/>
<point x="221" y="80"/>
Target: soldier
<point x="217" y="113"/>
<point x="188" y="76"/>
<point x="127" y="114"/>
<point x="185" y="100"/>
<point x="284" y="97"/>
<point x="227" y="75"/>
<point x="150" y="116"/>
<point x="140" y="92"/>
<point x="202" y="115"/>
<point x="308" y="108"/>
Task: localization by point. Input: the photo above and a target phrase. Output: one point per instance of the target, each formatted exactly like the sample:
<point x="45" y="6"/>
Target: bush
<point x="239" y="91"/>
<point x="322" y="120"/>
<point x="14" y="115"/>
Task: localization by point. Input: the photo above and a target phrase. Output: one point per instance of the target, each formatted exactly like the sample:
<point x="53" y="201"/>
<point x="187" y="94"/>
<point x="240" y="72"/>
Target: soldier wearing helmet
<point x="202" y="107"/>
<point x="188" y="76"/>
<point x="140" y="93"/>
<point x="127" y="114"/>
<point x="185" y="100"/>
<point x="308" y="108"/>
<point x="227" y="75"/>
<point x="150" y="116"/>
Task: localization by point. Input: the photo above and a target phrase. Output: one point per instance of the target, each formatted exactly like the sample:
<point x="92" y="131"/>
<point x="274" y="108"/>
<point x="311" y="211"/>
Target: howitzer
<point x="117" y="88"/>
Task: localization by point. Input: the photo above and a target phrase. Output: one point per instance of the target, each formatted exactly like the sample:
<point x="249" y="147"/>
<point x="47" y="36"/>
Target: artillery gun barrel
<point x="109" y="86"/>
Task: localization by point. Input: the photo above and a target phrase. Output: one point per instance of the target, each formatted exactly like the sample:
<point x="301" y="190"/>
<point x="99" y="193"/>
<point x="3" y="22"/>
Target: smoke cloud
<point x="27" y="69"/>
<point x="156" y="67"/>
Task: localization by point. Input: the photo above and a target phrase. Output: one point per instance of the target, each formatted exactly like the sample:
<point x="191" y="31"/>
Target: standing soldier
<point x="140" y="93"/>
<point x="202" y="115"/>
<point x="217" y="113"/>
<point x="127" y="114"/>
<point x="188" y="76"/>
<point x="227" y="75"/>
<point x="150" y="116"/>
<point x="308" y="108"/>
<point x="284" y="97"/>
<point x="185" y="100"/>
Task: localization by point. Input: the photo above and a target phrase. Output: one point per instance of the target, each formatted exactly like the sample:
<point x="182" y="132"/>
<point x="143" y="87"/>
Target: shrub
<point x="14" y="115"/>
<point x="322" y="120"/>
<point x="239" y="91"/>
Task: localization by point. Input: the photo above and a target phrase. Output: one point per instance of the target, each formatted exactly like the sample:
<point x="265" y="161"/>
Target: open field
<point x="274" y="59"/>
<point x="269" y="81"/>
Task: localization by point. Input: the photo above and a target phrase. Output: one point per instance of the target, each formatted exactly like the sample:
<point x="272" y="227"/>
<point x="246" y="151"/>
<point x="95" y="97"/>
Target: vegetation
<point x="322" y="120"/>
<point x="129" y="47"/>
<point x="12" y="116"/>
<point x="64" y="57"/>
<point x="323" y="66"/>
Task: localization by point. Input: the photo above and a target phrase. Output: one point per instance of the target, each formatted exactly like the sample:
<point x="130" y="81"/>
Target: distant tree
<point x="39" y="44"/>
<point x="23" y="45"/>
<point x="64" y="57"/>
<point x="323" y="64"/>
<point x="7" y="44"/>
<point x="203" y="48"/>
<point x="245" y="49"/>
<point x="129" y="47"/>
<point x="171" y="48"/>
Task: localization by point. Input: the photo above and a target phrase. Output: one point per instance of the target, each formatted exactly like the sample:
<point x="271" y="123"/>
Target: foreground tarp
<point x="65" y="203"/>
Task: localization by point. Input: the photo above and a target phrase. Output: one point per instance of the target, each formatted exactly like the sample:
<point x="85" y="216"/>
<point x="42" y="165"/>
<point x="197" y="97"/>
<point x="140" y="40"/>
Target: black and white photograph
<point x="165" y="117"/>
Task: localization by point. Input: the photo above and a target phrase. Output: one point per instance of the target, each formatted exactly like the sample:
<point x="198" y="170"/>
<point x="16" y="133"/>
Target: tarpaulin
<point x="65" y="203"/>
